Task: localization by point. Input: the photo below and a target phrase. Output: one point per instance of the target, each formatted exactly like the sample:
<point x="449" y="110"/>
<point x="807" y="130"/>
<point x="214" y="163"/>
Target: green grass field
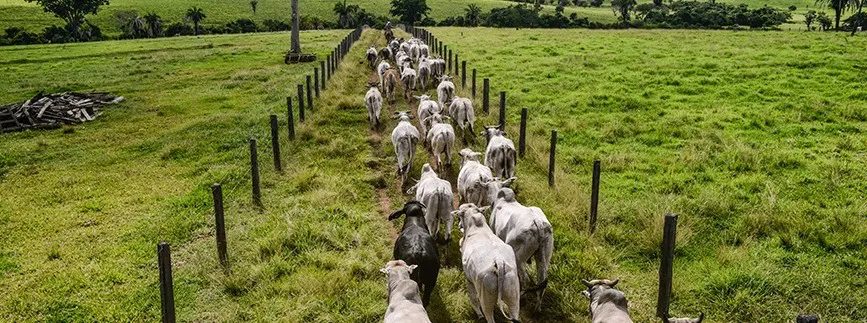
<point x="754" y="138"/>
<point x="18" y="13"/>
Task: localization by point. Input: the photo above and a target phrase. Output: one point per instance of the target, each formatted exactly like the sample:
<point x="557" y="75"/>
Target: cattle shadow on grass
<point x="437" y="310"/>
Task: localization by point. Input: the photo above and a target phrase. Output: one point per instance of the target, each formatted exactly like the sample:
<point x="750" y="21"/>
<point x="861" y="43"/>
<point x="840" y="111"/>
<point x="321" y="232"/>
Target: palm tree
<point x="859" y="6"/>
<point x="839" y="7"/>
<point x="137" y="27"/>
<point x="473" y="14"/>
<point x="345" y="14"/>
<point x="253" y="5"/>
<point x="154" y="24"/>
<point x="196" y="15"/>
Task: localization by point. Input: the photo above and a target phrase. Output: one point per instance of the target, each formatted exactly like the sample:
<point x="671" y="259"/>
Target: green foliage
<point x="623" y="9"/>
<point x="694" y="14"/>
<point x="473" y="16"/>
<point x="196" y="15"/>
<point x="74" y="13"/>
<point x="855" y="21"/>
<point x="809" y="18"/>
<point x="824" y="21"/>
<point x="275" y="25"/>
<point x="409" y="11"/>
<point x="254" y="5"/>
<point x="839" y="7"/>
<point x="18" y="36"/>
<point x="241" y="26"/>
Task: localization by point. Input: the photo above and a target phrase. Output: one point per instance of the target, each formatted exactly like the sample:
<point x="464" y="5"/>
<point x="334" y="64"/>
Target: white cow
<point x="500" y="155"/>
<point x="404" y="137"/>
<point x="404" y="302"/>
<point x="528" y="232"/>
<point x="464" y="115"/>
<point x="607" y="305"/>
<point x="426" y="108"/>
<point x="436" y="194"/>
<point x="373" y="100"/>
<point x="424" y="50"/>
<point x="476" y="182"/>
<point x="380" y="70"/>
<point x="424" y="73"/>
<point x="445" y="91"/>
<point x="441" y="137"/>
<point x="371" y="56"/>
<point x="489" y="266"/>
<point x="408" y="78"/>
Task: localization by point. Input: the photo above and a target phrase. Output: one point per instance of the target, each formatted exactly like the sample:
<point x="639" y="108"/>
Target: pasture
<point x="18" y="13"/>
<point x="755" y="139"/>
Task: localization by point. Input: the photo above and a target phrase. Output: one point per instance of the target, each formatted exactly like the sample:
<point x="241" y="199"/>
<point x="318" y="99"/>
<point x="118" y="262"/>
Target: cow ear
<point x="384" y="270"/>
<point x="395" y="215"/>
<point x="586" y="294"/>
<point x="586" y="283"/>
<point x="700" y="317"/>
<point x="411" y="268"/>
<point x="484" y="209"/>
<point x="509" y="182"/>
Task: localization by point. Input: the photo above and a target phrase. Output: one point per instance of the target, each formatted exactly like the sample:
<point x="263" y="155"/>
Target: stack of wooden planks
<point x="53" y="110"/>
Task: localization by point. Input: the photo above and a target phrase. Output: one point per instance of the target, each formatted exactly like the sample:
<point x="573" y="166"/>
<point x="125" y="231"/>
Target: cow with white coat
<point x="408" y="77"/>
<point x="424" y="73"/>
<point x="404" y="137"/>
<point x="380" y="70"/>
<point x="476" y="182"/>
<point x="373" y="100"/>
<point x="500" y="154"/>
<point x="426" y="108"/>
<point x="445" y="91"/>
<point x="385" y="53"/>
<point x="489" y="266"/>
<point x="464" y="115"/>
<point x="531" y="236"/>
<point x="371" y="56"/>
<point x="607" y="305"/>
<point x="436" y="194"/>
<point x="691" y="320"/>
<point x="441" y="138"/>
<point x="404" y="303"/>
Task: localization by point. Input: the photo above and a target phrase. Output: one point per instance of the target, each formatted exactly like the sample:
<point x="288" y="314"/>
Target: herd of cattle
<point x="496" y="251"/>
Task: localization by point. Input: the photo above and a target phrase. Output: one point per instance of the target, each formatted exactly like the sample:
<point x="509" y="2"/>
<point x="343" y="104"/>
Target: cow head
<point x="689" y="320"/>
<point x="435" y="118"/>
<point x="807" y="318"/>
<point x="445" y="78"/>
<point x="601" y="291"/>
<point x="422" y="98"/>
<point x="470" y="216"/>
<point x="498" y="188"/>
<point x="402" y="116"/>
<point x="491" y="132"/>
<point x="396" y="271"/>
<point x="410" y="209"/>
<point x="469" y="155"/>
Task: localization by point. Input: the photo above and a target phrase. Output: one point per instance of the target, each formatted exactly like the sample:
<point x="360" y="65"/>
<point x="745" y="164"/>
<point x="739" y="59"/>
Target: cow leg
<point x="432" y="224"/>
<point x="512" y="295"/>
<point x="488" y="296"/>
<point x="450" y="220"/>
<point x="543" y="261"/>
<point x="474" y="299"/>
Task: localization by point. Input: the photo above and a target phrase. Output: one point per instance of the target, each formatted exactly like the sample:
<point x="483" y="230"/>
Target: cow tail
<point x="501" y="276"/>
<point x="505" y="161"/>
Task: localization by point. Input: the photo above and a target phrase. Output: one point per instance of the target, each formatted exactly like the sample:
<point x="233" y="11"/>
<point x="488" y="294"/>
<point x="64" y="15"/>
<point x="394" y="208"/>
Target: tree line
<point x="630" y="14"/>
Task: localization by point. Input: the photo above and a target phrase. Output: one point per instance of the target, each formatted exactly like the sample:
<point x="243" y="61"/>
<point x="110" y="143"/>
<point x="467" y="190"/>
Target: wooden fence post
<point x="486" y="95"/>
<point x="322" y="68"/>
<point x="316" y="81"/>
<point x="301" y="102"/>
<point x="449" y="69"/>
<point x="522" y="139"/>
<point x="474" y="84"/>
<point x="594" y="195"/>
<point x="503" y="110"/>
<point x="666" y="265"/>
<point x="309" y="95"/>
<point x="254" y="173"/>
<point x="290" y="117"/>
<point x="464" y="74"/>
<point x="167" y="292"/>
<point x="275" y="143"/>
<point x="551" y="153"/>
<point x="457" y="66"/>
<point x="220" y="224"/>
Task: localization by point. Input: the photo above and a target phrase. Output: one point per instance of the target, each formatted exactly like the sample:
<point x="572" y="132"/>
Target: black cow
<point x="416" y="246"/>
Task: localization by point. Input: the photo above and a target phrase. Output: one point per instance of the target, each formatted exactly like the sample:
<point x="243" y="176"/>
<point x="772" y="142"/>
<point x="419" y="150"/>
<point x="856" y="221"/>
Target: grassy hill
<point x="755" y="139"/>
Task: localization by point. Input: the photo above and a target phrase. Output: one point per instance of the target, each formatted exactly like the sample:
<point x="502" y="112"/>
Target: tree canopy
<point x="72" y="12"/>
<point x="409" y="11"/>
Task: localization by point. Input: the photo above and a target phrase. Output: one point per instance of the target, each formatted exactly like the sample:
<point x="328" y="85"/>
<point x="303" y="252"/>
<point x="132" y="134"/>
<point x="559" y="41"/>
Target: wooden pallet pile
<point x="53" y="110"/>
